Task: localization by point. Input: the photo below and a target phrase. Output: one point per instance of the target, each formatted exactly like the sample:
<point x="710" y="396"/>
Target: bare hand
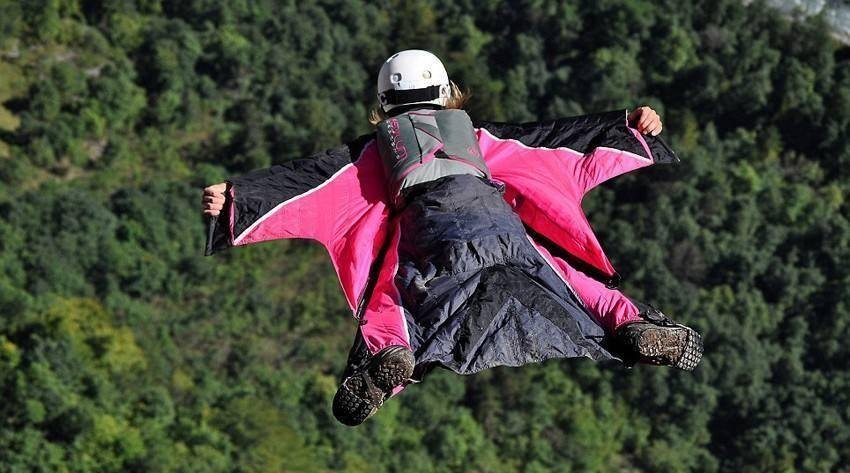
<point x="645" y="120"/>
<point x="213" y="199"/>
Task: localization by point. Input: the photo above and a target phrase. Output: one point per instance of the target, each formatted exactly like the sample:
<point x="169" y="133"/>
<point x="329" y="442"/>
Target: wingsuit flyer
<point x="460" y="244"/>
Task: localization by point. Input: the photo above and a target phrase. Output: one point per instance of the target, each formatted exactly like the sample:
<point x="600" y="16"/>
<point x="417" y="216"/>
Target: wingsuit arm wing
<point x="549" y="166"/>
<point x="607" y="145"/>
<point x="336" y="197"/>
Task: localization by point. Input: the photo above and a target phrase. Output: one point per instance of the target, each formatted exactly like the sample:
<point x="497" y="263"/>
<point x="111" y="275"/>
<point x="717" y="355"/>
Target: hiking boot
<point x="364" y="392"/>
<point x="659" y="341"/>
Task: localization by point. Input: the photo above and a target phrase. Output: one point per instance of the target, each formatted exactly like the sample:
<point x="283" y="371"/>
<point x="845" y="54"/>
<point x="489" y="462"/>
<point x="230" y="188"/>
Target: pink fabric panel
<point x="609" y="307"/>
<point x="383" y="323"/>
<point x="545" y="187"/>
<point x="344" y="214"/>
<point x="605" y="163"/>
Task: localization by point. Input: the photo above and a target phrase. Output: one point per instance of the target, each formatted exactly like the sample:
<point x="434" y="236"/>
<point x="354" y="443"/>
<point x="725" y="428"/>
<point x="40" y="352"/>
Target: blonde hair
<point x="457" y="100"/>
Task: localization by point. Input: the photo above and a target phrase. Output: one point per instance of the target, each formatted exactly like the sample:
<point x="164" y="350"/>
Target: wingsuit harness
<point x="425" y="145"/>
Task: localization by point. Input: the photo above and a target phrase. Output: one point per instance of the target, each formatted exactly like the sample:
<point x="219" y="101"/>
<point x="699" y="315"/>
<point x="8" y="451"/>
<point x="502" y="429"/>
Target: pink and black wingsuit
<point x="469" y="270"/>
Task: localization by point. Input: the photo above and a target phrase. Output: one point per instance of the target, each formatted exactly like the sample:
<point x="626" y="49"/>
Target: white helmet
<point x="412" y="76"/>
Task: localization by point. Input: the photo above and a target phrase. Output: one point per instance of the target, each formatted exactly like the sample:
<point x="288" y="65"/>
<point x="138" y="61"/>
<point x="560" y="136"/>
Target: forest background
<point x="122" y="349"/>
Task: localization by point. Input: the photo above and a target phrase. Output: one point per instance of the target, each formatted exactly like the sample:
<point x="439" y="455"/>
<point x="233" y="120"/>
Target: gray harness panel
<point x="425" y="145"/>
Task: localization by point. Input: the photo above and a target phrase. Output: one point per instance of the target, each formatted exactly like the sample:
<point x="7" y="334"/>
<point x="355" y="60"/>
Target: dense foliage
<point x="123" y="349"/>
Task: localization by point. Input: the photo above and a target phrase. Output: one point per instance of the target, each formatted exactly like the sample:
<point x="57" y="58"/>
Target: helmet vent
<point x="395" y="78"/>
